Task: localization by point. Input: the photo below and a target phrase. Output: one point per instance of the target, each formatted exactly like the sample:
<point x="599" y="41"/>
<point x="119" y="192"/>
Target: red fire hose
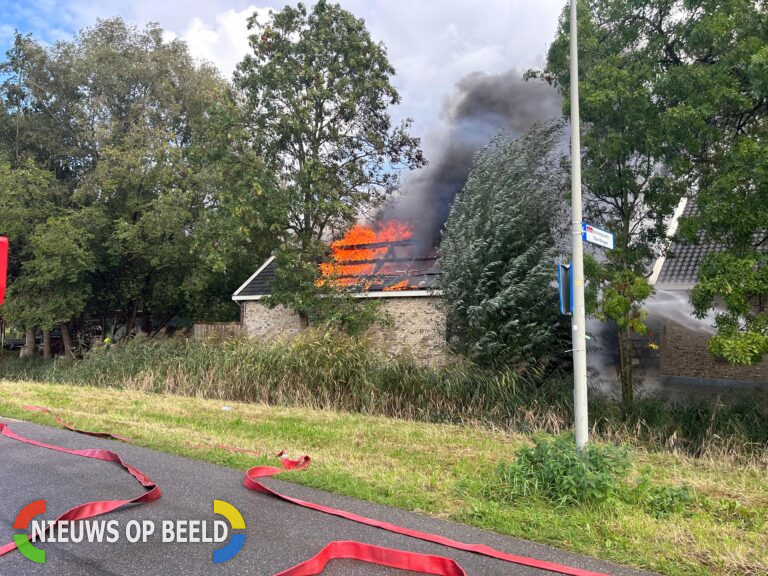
<point x="346" y="550"/>
<point x="424" y="563"/>
<point x="89" y="509"/>
<point x="251" y="482"/>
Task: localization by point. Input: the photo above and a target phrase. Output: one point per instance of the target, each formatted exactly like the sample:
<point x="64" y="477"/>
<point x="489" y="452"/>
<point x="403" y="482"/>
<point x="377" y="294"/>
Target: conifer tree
<point x="499" y="251"/>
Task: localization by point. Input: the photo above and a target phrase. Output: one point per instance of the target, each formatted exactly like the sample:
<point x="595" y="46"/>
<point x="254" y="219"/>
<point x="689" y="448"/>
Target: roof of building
<point x="680" y="269"/>
<point x="259" y="284"/>
<point x="418" y="276"/>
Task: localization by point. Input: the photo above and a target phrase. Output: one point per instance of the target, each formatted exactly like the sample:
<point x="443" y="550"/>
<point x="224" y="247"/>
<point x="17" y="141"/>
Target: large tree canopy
<point x="318" y="92"/>
<point x="715" y="95"/>
<point x="134" y="188"/>
<point x="688" y="80"/>
<point x="625" y="184"/>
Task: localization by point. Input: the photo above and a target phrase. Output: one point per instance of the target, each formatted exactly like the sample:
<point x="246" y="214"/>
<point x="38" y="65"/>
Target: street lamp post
<point x="578" y="319"/>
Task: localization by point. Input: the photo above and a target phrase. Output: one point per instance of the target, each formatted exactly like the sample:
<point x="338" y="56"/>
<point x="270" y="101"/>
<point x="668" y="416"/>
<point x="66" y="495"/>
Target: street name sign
<point x="596" y="236"/>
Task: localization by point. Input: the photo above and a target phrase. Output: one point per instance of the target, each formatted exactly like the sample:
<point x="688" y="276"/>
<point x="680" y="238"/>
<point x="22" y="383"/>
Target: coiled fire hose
<point x="402" y="559"/>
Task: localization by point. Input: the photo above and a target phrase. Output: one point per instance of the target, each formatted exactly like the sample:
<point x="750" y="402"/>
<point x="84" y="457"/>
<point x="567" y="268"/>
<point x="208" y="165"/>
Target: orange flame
<point x="351" y="256"/>
<point x="402" y="285"/>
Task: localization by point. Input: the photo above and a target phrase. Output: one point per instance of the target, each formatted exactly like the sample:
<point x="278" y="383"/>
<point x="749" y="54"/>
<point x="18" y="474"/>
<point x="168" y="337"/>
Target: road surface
<point x="278" y="534"/>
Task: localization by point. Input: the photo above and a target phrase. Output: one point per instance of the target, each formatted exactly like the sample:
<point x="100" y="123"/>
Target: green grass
<point x="444" y="470"/>
<point x="330" y="371"/>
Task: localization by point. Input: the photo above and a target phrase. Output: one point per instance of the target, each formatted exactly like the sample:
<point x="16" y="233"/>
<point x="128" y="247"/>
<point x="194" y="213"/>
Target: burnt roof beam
<point x="381" y="261"/>
<point x="374" y="245"/>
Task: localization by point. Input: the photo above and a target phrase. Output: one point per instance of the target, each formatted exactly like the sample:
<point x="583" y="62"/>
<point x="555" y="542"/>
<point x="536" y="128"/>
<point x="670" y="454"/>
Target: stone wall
<point x="684" y="354"/>
<point x="260" y="321"/>
<point x="416" y="326"/>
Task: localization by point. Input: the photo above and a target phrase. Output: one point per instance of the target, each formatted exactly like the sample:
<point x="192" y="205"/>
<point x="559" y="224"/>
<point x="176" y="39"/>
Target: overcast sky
<point x="431" y="43"/>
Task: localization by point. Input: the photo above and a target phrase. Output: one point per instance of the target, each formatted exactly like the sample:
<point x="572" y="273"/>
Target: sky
<point x="432" y="44"/>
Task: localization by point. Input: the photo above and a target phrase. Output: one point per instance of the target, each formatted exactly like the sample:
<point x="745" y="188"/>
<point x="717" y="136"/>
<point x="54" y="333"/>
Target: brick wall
<point x="416" y="326"/>
<point x="684" y="353"/>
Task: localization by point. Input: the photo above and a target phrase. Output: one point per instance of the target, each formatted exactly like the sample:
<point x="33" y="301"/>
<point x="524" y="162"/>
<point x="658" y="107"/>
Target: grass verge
<point x="443" y="470"/>
<point x="328" y="371"/>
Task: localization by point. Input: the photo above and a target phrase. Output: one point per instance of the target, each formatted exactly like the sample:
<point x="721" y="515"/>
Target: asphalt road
<point x="278" y="534"/>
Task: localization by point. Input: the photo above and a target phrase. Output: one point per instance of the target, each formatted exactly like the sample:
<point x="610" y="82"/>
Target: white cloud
<point x="431" y="43"/>
<point x="224" y="40"/>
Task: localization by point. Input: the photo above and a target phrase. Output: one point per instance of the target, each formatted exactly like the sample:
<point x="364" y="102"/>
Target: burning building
<point x="395" y="259"/>
<point x="380" y="257"/>
<point x="371" y="261"/>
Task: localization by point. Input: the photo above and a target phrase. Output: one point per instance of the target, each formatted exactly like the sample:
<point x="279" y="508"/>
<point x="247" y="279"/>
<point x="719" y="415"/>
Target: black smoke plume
<point x="481" y="106"/>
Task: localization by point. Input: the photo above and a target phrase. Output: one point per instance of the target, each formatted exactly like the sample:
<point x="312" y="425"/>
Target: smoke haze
<point x="481" y="106"/>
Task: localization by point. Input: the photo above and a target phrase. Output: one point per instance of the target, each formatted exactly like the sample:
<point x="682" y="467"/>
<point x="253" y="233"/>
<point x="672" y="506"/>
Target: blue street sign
<point x="565" y="287"/>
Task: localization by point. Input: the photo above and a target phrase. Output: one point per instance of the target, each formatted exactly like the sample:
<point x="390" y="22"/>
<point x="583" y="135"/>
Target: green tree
<point x="625" y="179"/>
<point x="30" y="185"/>
<point x="147" y="99"/>
<point x="499" y="252"/>
<point x="26" y="196"/>
<point x="740" y="282"/>
<point x="54" y="286"/>
<point x="25" y="202"/>
<point x="244" y="215"/>
<point x="699" y="70"/>
<point x="318" y="90"/>
<point x="715" y="94"/>
<point x="154" y="179"/>
<point x="41" y="121"/>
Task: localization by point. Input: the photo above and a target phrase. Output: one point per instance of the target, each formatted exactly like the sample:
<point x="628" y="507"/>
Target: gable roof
<point x="421" y="274"/>
<point x="259" y="284"/>
<point x="680" y="267"/>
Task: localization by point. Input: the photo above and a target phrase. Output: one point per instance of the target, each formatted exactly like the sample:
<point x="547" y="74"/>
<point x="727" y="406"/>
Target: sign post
<point x="565" y="285"/>
<point x="578" y="319"/>
<point x="3" y="266"/>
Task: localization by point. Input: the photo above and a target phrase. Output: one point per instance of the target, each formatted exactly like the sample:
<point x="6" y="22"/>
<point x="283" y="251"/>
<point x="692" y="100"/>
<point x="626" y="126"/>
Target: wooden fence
<point x="217" y="330"/>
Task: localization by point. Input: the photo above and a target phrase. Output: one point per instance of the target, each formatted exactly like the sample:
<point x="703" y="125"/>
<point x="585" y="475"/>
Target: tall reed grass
<point x="326" y="370"/>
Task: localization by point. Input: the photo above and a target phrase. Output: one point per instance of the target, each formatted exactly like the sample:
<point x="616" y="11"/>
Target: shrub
<point x="660" y="500"/>
<point x="554" y="469"/>
<point x="318" y="369"/>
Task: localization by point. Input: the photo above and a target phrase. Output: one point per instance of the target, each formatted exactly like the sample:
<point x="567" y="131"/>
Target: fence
<point x="216" y="330"/>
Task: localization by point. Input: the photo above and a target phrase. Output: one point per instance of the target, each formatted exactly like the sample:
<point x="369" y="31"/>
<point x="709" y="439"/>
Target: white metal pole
<point x="577" y="265"/>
